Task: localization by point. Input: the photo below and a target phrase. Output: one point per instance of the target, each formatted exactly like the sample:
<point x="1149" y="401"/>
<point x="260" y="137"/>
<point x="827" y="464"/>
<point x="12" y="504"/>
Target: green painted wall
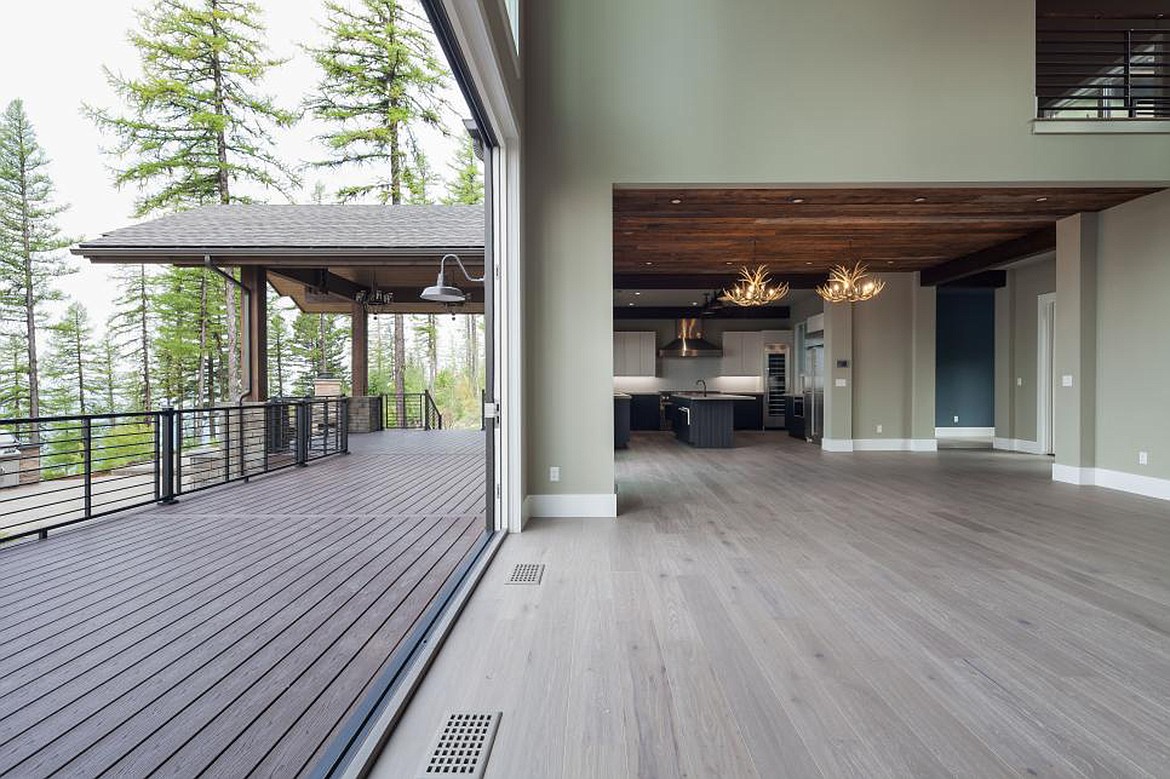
<point x="1133" y="337"/>
<point x="748" y="92"/>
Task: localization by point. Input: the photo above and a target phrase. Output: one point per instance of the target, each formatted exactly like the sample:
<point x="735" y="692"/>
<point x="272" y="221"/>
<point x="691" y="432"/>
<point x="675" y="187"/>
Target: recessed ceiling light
<point x="637" y="293"/>
<point x="629" y="304"/>
<point x="676" y="200"/>
<point x="920" y="199"/>
<point x="797" y="200"/>
<point x="727" y="263"/>
<point x="648" y="262"/>
<point x="694" y="302"/>
<point x="889" y="262"/>
<point x="1041" y="200"/>
<point x="808" y="263"/>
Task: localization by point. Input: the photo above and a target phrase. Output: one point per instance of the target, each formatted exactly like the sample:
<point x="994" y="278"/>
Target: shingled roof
<point x="298" y="229"/>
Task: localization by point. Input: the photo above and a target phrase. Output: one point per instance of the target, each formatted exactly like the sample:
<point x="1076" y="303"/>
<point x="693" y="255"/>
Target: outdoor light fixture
<point x="442" y="292"/>
<point x="850" y="285"/>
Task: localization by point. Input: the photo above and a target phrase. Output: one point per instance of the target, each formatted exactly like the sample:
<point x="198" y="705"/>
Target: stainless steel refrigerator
<point x="813" y="389"/>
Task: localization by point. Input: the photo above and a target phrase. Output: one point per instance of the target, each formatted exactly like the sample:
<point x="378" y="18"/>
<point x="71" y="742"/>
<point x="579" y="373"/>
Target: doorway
<point x="1045" y="374"/>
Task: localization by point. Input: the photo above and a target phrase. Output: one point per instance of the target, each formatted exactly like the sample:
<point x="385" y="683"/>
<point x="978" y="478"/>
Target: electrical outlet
<point x="1143" y="458"/>
<point x="1066" y="380"/>
<point x="554" y="473"/>
<point x="956" y="419"/>
<point x="879" y="428"/>
<point x="1019" y="381"/>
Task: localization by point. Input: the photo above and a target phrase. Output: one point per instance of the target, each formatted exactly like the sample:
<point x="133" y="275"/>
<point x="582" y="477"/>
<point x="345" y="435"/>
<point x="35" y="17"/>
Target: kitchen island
<point x="705" y="420"/>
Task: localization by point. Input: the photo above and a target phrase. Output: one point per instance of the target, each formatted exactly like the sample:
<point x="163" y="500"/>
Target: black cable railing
<point x="411" y="411"/>
<point x="1102" y="69"/>
<point x="57" y="471"/>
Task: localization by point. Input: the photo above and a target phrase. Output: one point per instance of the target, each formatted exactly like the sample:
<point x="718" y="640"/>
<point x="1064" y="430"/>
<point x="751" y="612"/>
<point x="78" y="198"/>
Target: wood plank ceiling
<point x="664" y="237"/>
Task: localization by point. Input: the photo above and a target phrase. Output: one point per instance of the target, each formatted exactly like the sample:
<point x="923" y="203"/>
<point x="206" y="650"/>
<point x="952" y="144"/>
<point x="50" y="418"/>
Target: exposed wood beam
<point x="684" y="312"/>
<point x="321" y="280"/>
<point x="359" y="350"/>
<point x="1033" y="243"/>
<point x="706" y="281"/>
<point x="255" y="280"/>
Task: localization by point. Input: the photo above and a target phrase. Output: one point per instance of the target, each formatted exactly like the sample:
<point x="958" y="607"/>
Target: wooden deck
<point x="231" y="634"/>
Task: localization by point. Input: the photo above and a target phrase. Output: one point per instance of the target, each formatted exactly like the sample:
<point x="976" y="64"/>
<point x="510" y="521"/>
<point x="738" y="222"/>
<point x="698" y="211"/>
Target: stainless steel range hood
<point x="689" y="342"/>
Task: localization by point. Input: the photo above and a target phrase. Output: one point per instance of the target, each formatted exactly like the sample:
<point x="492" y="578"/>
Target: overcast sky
<point x="52" y="58"/>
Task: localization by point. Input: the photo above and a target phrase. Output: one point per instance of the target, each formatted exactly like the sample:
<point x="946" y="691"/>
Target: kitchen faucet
<point x="704" y="384"/>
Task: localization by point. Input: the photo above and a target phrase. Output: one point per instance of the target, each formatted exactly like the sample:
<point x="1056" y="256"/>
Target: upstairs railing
<point x="411" y="411"/>
<point x="57" y="471"/>
<point x="1102" y="69"/>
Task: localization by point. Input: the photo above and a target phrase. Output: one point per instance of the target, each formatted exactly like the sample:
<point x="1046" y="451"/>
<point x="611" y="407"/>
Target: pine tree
<point x="466" y="184"/>
<point x="107" y="376"/>
<point x="318" y="346"/>
<point x="70" y="372"/>
<point x="13" y="376"/>
<point x="132" y="329"/>
<point x="280" y="348"/>
<point x="380" y="80"/>
<point x="30" y="240"/>
<point x="196" y="127"/>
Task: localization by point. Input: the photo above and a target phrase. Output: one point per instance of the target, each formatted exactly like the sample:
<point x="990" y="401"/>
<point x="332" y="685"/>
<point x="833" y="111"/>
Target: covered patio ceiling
<point x="322" y="256"/>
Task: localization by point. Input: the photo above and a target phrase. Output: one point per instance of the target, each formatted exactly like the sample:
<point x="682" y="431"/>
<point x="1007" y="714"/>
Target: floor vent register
<point x="462" y="746"/>
<point x="526" y="573"/>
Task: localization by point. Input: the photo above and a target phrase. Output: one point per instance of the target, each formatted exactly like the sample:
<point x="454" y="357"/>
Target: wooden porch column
<point x="359" y="351"/>
<point x="255" y="280"/>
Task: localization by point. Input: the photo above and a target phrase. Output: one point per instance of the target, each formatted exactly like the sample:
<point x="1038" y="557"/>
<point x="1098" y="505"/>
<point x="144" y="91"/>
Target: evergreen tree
<point x="319" y="343"/>
<point x="466" y="184"/>
<point x="380" y="80"/>
<point x="70" y="372"/>
<point x="196" y="127"/>
<point x="132" y="327"/>
<point x="107" y="376"/>
<point x="13" y="376"/>
<point x="280" y="348"/>
<point x="30" y="240"/>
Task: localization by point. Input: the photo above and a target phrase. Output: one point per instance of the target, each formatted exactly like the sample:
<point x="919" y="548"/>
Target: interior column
<point x="1075" y="349"/>
<point x="359" y="351"/>
<point x="255" y="281"/>
<point x="838" y="427"/>
<point x="922" y="367"/>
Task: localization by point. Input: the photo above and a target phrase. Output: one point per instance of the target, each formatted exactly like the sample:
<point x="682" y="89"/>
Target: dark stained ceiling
<point x="697" y="238"/>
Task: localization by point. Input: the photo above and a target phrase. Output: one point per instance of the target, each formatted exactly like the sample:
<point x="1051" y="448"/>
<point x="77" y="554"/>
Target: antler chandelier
<point x="755" y="288"/>
<point x="850" y="285"/>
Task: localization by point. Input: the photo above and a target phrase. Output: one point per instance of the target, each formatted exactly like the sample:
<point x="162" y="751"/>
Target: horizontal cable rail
<point x="57" y="471"/>
<point x="411" y="411"/>
<point x="1102" y="69"/>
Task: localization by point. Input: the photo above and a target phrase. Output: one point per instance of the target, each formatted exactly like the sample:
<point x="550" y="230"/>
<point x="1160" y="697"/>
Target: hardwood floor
<point x="774" y="611"/>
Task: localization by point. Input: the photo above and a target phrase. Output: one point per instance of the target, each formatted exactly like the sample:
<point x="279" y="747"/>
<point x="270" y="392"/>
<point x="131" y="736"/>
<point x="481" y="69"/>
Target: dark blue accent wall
<point x="965" y="358"/>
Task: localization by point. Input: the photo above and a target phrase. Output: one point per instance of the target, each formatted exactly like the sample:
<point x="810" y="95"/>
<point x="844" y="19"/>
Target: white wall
<point x="748" y="92"/>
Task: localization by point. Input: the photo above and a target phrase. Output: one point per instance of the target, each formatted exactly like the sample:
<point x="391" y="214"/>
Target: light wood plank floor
<point x="774" y="611"/>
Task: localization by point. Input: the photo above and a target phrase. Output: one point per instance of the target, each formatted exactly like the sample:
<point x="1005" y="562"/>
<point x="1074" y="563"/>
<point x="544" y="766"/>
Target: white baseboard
<point x="1148" y="486"/>
<point x="587" y="505"/>
<point x="837" y="444"/>
<point x="895" y="445"/>
<point x="1016" y="445"/>
<point x="964" y="432"/>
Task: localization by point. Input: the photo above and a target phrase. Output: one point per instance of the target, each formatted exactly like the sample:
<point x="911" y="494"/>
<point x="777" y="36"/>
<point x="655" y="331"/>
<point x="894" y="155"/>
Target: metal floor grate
<point x="463" y="745"/>
<point x="526" y="573"/>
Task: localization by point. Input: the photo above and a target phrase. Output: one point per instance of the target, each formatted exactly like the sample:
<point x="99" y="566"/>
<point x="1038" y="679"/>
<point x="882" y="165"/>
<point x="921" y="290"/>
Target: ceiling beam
<point x="321" y="280"/>
<point x="707" y="281"/>
<point x="988" y="279"/>
<point x="687" y="312"/>
<point x="1036" y="242"/>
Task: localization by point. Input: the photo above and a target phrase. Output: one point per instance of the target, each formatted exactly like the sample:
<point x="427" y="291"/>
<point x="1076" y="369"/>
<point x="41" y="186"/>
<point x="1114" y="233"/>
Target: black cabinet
<point x="621" y="422"/>
<point x="794" y="415"/>
<point x="644" y="412"/>
<point x="749" y="414"/>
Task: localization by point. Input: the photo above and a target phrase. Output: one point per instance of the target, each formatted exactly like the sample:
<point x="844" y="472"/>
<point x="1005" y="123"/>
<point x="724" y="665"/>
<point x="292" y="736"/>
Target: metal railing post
<point x="87" y="457"/>
<point x="243" y="461"/>
<point x="302" y="416"/>
<point x="425" y="402"/>
<point x="344" y="427"/>
<point x="166" y="426"/>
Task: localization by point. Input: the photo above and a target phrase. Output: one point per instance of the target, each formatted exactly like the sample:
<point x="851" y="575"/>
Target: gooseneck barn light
<point x="442" y="292"/>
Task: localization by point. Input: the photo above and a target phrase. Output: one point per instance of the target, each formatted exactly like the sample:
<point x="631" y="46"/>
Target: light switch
<point x="840" y="383"/>
<point x="1019" y="381"/>
<point x="1066" y="380"/>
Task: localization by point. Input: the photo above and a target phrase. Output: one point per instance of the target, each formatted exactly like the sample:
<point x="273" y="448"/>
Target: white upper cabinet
<point x="635" y="353"/>
<point x="743" y="353"/>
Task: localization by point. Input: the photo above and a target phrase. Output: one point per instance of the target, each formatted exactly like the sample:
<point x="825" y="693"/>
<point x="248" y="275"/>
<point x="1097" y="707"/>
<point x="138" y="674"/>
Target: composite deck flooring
<point x="232" y="633"/>
<point x="776" y="611"/>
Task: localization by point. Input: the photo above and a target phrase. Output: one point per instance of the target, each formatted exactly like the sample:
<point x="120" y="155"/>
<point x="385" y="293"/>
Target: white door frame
<point x="1045" y="370"/>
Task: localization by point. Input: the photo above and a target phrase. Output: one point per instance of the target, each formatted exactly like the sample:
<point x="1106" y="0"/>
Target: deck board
<point x="235" y="631"/>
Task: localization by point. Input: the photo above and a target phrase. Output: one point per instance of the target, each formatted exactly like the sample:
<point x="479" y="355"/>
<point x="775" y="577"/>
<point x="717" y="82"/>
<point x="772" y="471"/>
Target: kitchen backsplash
<point x="681" y="374"/>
